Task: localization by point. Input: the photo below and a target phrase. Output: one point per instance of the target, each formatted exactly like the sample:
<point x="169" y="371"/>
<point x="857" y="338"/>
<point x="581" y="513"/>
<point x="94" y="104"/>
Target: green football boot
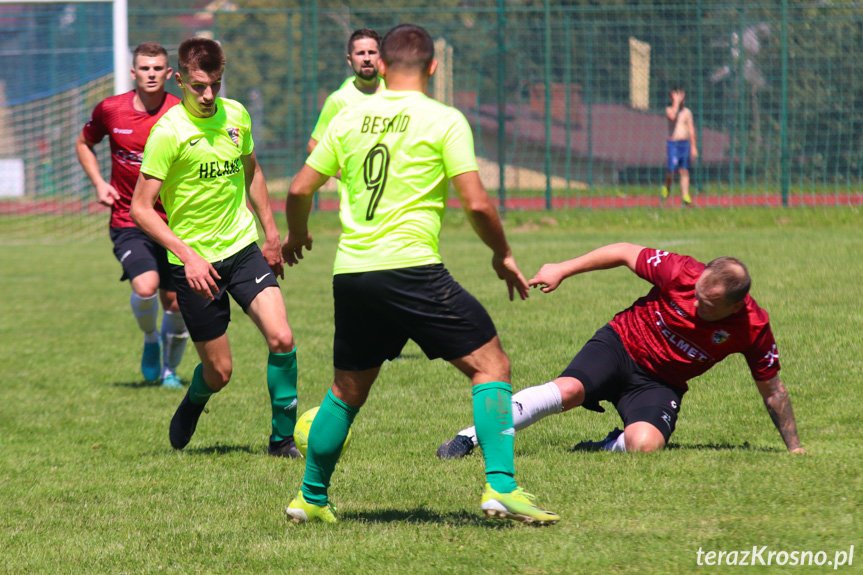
<point x="517" y="506"/>
<point x="301" y="512"/>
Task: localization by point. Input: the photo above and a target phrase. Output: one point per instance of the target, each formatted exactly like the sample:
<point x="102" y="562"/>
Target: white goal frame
<point x="122" y="54"/>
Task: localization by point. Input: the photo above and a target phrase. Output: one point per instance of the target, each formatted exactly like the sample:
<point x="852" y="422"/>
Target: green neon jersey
<point x="346" y="95"/>
<point x="396" y="152"/>
<point x="203" y="181"/>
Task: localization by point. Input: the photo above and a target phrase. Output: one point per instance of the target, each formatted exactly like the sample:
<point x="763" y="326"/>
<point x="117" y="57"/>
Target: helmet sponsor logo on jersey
<point x="219" y="168"/>
<point x="234" y="134"/>
<point x="720" y="336"/>
<point x="678" y="342"/>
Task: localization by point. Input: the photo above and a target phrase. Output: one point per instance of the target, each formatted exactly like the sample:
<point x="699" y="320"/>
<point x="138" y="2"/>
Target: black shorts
<point x="139" y="253"/>
<point x="377" y="312"/>
<point x="609" y="373"/>
<point x="244" y="275"/>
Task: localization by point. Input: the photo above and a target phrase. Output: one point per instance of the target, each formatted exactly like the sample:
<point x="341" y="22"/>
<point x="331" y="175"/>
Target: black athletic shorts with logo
<point x="609" y="373"/>
<point x="139" y="253"/>
<point x="377" y="312"/>
<point x="244" y="275"/>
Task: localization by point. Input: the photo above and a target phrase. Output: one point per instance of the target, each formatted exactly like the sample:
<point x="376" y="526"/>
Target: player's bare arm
<point x="693" y="145"/>
<point x="199" y="272"/>
<point x="778" y="405"/>
<point x="297" y="209"/>
<point x="487" y="225"/>
<point x="256" y="190"/>
<point x="310" y="147"/>
<point x="550" y="276"/>
<point x="675" y="108"/>
<point x="105" y="192"/>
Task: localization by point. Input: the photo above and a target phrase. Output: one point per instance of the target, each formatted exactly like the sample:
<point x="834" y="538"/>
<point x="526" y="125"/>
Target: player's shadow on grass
<point x="723" y="447"/>
<point x="136" y="384"/>
<point x="140" y="384"/>
<point x="417" y="516"/>
<point x="220" y="449"/>
<point x="693" y="447"/>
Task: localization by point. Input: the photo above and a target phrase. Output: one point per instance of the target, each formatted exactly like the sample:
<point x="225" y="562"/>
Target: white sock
<point x="146" y="311"/>
<point x="618" y="445"/>
<point x="529" y="406"/>
<point x="174" y="338"/>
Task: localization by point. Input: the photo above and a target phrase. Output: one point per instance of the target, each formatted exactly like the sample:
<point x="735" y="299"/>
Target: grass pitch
<point x="89" y="483"/>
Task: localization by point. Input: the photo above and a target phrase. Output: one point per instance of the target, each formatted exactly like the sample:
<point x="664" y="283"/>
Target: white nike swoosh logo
<point x="260" y="279"/>
<point x="126" y="255"/>
<point x="510" y="431"/>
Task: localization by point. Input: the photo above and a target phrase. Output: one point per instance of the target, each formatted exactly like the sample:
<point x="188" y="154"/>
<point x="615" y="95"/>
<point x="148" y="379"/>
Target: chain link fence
<point x="567" y="103"/>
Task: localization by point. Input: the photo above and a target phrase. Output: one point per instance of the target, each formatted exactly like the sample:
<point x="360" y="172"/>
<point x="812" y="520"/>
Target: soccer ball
<point x="304" y="425"/>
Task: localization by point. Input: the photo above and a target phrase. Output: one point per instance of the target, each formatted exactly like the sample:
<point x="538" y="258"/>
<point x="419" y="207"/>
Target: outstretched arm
<point x="256" y="190"/>
<point x="486" y="223"/>
<point x="611" y="256"/>
<point x="778" y="405"/>
<point x="297" y="209"/>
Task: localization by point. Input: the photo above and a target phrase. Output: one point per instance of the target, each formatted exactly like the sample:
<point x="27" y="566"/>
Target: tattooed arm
<point x="778" y="405"/>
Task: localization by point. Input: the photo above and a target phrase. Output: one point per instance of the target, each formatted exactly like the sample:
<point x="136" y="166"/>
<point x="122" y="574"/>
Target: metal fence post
<point x="501" y="104"/>
<point x="547" y="105"/>
<point x="786" y="176"/>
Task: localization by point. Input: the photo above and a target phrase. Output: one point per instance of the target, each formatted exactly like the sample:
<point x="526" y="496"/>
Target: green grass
<point x="89" y="483"/>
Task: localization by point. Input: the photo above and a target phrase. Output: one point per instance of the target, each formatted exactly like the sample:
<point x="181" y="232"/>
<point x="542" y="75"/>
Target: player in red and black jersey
<point x="695" y="316"/>
<point x="126" y="120"/>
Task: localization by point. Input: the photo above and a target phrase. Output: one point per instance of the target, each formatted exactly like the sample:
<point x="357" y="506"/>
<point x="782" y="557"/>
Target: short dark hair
<point x="201" y="54"/>
<point x="363" y="33"/>
<point x="149" y="49"/>
<point x="731" y="275"/>
<point x="407" y="46"/>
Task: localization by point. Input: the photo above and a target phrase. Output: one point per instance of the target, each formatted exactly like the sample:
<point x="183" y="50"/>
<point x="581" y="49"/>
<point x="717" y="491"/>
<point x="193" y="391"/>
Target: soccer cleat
<point x="601" y="445"/>
<point x="301" y="512"/>
<point x="184" y="422"/>
<point x="663" y="193"/>
<point x="151" y="361"/>
<point x="284" y="448"/>
<point x="517" y="505"/>
<point x="687" y="201"/>
<point x="171" y="381"/>
<point x="456" y="448"/>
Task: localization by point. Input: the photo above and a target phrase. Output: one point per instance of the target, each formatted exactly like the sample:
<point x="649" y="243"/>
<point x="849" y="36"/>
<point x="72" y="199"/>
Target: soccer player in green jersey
<point x="363" y="57"/>
<point x="397" y="153"/>
<point x="200" y="158"/>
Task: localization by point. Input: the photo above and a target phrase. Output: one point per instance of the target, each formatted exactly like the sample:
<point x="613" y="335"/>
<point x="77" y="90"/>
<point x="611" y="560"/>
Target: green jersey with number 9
<point x="396" y="151"/>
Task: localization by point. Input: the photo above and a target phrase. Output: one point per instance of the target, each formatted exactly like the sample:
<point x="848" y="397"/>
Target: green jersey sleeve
<point x="248" y="142"/>
<point x="160" y="151"/>
<point x="324" y="158"/>
<point x="458" y="154"/>
<point x="328" y="112"/>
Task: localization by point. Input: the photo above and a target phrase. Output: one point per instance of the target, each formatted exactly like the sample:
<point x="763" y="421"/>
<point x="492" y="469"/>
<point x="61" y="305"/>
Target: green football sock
<point x="492" y="416"/>
<point x="282" y="383"/>
<point x="326" y="437"/>
<point x="199" y="391"/>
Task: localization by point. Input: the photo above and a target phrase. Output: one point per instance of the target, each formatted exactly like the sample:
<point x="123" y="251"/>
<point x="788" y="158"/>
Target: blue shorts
<point x="678" y="155"/>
